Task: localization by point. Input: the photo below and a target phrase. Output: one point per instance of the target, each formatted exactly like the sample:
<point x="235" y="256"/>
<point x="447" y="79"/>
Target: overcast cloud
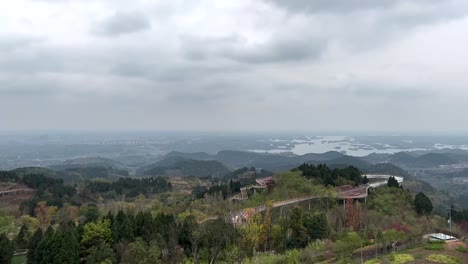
<point x="234" y="65"/>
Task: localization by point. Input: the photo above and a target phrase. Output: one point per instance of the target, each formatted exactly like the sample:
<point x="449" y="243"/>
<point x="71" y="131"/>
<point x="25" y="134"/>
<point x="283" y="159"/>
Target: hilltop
<point x="178" y="166"/>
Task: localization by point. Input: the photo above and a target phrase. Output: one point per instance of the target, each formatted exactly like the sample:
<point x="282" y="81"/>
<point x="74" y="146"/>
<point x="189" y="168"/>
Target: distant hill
<point x="74" y="173"/>
<point x="387" y="168"/>
<point x="195" y="155"/>
<point x="377" y="157"/>
<point x="177" y="166"/>
<point x="239" y="159"/>
<point x="267" y="161"/>
<point x="454" y="154"/>
<point x="412" y="160"/>
<point x="283" y="162"/>
<point x="348" y="161"/>
<point x="330" y="155"/>
<point x="92" y="161"/>
<point x="247" y="176"/>
<point x="39" y="170"/>
<point x="137" y="160"/>
<point x="80" y="169"/>
<point x="432" y="160"/>
<point x="401" y="158"/>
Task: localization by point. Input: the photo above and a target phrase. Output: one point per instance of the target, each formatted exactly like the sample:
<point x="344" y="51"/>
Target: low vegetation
<point x="401" y="258"/>
<point x="445" y="259"/>
<point x="462" y="249"/>
<point x="435" y="245"/>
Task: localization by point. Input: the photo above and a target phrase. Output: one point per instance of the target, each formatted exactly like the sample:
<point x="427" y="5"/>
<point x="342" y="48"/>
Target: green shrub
<point x="372" y="261"/>
<point x="435" y="245"/>
<point x="436" y="242"/>
<point x="401" y="258"/>
<point x="18" y="260"/>
<point x="439" y="258"/>
<point x="462" y="249"/>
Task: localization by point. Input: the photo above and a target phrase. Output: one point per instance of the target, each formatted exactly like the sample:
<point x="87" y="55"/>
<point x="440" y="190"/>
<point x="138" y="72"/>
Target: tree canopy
<point x="422" y="204"/>
<point x="333" y="177"/>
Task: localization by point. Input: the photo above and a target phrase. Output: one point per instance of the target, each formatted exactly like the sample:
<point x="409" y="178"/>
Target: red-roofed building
<point x="265" y="182"/>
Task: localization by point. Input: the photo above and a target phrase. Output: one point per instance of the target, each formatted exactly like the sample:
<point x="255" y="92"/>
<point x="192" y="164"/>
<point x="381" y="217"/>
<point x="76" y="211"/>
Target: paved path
<point x="16" y="191"/>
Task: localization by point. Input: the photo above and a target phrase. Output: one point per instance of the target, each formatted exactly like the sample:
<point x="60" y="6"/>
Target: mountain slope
<point x="176" y="166"/>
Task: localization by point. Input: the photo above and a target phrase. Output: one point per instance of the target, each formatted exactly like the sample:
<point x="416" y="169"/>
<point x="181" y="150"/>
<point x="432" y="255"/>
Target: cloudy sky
<point x="318" y="65"/>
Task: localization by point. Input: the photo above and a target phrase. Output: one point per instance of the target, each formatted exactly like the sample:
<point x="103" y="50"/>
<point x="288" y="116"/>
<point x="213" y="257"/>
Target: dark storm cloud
<point x="122" y="23"/>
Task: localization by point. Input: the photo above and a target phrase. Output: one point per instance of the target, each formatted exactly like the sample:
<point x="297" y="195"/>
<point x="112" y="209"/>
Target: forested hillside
<point x="145" y="221"/>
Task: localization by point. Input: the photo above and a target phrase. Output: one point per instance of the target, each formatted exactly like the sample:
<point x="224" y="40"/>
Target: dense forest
<point x="52" y="191"/>
<point x="130" y="187"/>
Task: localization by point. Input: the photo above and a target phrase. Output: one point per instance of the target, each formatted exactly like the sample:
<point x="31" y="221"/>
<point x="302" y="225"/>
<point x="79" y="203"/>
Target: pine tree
<point x="33" y="257"/>
<point x="365" y="180"/>
<point x="422" y="204"/>
<point x="100" y="253"/>
<point x="21" y="240"/>
<point x="45" y="248"/>
<point x="126" y="230"/>
<point x="392" y="182"/>
<point x="299" y="235"/>
<point x="6" y="249"/>
<point x="69" y="247"/>
<point x="317" y="226"/>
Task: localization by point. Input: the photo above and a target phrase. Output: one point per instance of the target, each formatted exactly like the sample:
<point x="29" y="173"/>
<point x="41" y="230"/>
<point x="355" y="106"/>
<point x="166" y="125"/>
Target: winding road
<point x="342" y="193"/>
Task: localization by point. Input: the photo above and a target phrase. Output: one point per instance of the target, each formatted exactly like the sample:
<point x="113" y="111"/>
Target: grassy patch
<point x="439" y="258"/>
<point x="18" y="260"/>
<point x="372" y="261"/>
<point x="401" y="258"/>
<point x="462" y="249"/>
<point x="435" y="245"/>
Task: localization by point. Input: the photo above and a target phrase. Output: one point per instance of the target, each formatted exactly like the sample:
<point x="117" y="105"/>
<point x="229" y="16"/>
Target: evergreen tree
<point x="422" y="204"/>
<point x="6" y="249"/>
<point x="100" y="253"/>
<point x="139" y="252"/>
<point x="126" y="230"/>
<point x="92" y="213"/>
<point x="21" y="240"/>
<point x="46" y="247"/>
<point x="217" y="235"/>
<point x="392" y="182"/>
<point x="299" y="235"/>
<point x="144" y="226"/>
<point x="317" y="226"/>
<point x="33" y="254"/>
<point x="190" y="236"/>
<point x="365" y="180"/>
<point x="69" y="248"/>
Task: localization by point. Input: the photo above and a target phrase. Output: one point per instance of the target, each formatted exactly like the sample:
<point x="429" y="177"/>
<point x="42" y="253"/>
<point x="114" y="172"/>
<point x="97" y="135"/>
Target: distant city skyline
<point x="385" y="67"/>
